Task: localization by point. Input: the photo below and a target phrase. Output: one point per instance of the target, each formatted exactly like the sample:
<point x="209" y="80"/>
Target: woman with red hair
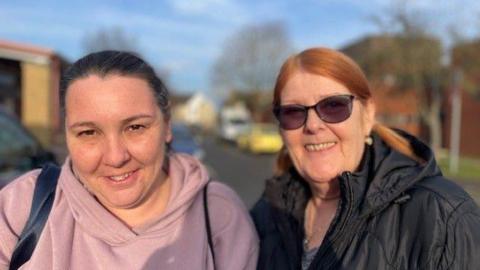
<point x="350" y="193"/>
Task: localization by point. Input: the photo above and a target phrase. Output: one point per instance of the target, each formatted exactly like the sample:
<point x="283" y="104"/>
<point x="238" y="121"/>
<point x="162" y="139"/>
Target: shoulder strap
<point x="43" y="196"/>
<point x="207" y="223"/>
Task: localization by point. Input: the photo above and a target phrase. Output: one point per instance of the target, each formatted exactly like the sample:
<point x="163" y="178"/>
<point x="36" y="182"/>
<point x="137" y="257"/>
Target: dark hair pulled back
<point x="104" y="63"/>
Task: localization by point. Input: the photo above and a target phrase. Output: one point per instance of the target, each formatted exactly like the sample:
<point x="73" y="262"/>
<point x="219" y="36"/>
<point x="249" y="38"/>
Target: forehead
<point x="113" y="84"/>
<point x="303" y="86"/>
<point x="94" y="94"/>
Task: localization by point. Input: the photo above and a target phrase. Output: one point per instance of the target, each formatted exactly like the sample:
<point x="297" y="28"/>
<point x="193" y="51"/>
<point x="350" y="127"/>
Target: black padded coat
<point x="394" y="214"/>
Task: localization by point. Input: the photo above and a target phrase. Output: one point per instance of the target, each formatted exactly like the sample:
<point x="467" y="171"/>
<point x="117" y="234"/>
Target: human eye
<point x="86" y="133"/>
<point x="335" y="102"/>
<point x="292" y="110"/>
<point x="136" y="127"/>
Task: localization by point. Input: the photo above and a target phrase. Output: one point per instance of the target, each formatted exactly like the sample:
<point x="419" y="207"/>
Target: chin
<point x="323" y="174"/>
<point x="320" y="177"/>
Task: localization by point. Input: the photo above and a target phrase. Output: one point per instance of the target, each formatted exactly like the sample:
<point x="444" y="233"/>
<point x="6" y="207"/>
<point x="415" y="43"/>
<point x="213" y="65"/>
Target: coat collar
<point x="392" y="173"/>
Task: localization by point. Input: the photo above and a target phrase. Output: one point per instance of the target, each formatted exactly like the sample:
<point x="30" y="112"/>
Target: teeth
<point x="319" y="146"/>
<point x="120" y="177"/>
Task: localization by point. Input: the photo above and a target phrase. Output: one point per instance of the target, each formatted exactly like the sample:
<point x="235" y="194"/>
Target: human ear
<point x="368" y="116"/>
<point x="168" y="131"/>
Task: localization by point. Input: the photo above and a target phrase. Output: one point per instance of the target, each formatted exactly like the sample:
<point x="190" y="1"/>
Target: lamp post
<point x="456" y="122"/>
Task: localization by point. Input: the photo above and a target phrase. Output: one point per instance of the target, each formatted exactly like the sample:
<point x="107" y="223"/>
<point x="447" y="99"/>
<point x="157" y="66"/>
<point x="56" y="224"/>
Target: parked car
<point x="184" y="141"/>
<point x="234" y="121"/>
<point x="19" y="150"/>
<point x="261" y="138"/>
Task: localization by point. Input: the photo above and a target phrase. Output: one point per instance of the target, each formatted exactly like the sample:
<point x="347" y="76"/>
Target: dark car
<point x="19" y="150"/>
<point x="184" y="141"/>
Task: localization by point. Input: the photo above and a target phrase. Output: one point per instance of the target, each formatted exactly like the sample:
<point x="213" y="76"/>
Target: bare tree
<point x="412" y="55"/>
<point x="465" y="58"/>
<point x="113" y="38"/>
<point x="251" y="58"/>
<point x="116" y="38"/>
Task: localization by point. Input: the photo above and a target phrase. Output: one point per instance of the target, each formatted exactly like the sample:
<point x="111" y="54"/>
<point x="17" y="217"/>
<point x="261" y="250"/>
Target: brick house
<point x="401" y="109"/>
<point x="397" y="109"/>
<point x="466" y="57"/>
<point x="470" y="124"/>
<point x="29" y="77"/>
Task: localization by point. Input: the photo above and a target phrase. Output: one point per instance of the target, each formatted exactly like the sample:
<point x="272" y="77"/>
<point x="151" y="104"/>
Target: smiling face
<point x="322" y="151"/>
<point x="116" y="136"/>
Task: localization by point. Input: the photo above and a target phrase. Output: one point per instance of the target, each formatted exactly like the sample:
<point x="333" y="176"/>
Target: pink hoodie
<point x="81" y="234"/>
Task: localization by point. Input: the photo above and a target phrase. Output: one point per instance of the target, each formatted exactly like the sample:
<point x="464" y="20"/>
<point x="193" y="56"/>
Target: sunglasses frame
<point x="277" y="110"/>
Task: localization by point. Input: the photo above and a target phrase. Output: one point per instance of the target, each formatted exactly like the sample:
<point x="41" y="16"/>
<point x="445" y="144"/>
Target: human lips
<point x="120" y="177"/>
<point x="314" y="147"/>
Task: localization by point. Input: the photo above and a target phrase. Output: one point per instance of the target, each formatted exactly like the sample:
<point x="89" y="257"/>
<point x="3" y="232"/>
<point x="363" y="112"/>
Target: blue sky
<point x="185" y="37"/>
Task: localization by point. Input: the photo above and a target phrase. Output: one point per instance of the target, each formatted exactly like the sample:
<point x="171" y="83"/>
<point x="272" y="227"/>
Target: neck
<point x="319" y="214"/>
<point x="325" y="192"/>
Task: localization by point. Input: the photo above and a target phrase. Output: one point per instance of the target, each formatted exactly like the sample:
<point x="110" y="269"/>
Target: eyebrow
<point x="292" y="101"/>
<point x="137" y="117"/>
<point x="125" y="121"/>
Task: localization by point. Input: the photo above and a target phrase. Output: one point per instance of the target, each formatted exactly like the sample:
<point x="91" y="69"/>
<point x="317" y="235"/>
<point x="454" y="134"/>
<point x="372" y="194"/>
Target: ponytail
<point x="395" y="141"/>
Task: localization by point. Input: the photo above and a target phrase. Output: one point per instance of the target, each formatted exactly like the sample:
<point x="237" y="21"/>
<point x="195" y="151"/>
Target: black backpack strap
<point x="43" y="196"/>
<point x="207" y="224"/>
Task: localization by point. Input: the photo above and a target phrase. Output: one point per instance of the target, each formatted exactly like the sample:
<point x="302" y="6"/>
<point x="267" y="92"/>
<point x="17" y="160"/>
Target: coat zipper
<point x="335" y="233"/>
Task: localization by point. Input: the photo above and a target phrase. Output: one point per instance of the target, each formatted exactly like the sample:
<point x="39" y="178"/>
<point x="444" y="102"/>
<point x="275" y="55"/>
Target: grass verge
<point x="468" y="169"/>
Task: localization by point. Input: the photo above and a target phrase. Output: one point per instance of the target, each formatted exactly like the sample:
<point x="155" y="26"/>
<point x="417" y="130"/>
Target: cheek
<point x="86" y="158"/>
<point x="146" y="152"/>
<point x="353" y="142"/>
<point x="293" y="142"/>
<point x="148" y="149"/>
<point x="286" y="138"/>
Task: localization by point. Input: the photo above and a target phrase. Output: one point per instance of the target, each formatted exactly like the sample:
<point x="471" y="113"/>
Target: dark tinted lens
<point x="335" y="109"/>
<point x="291" y="116"/>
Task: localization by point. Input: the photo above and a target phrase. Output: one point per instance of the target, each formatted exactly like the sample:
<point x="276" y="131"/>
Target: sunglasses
<point x="333" y="109"/>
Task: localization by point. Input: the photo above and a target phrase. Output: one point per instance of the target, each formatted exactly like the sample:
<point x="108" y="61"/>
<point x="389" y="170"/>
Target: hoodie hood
<point x="188" y="178"/>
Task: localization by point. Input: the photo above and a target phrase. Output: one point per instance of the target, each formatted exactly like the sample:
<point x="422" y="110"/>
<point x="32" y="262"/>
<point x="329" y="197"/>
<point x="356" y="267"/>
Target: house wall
<point x="397" y="109"/>
<point x="33" y="97"/>
<point x="470" y="124"/>
<point x="36" y="100"/>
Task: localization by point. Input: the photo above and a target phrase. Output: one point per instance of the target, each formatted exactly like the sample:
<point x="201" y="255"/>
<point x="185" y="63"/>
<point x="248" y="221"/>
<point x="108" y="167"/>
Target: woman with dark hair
<point x="123" y="200"/>
<point x="350" y="193"/>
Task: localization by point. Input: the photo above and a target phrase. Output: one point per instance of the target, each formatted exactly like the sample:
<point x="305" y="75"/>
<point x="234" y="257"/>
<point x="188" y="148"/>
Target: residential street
<point x="244" y="172"/>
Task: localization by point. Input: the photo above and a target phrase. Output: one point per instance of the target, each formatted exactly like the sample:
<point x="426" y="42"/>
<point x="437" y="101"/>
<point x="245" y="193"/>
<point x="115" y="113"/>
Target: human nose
<point x="313" y="121"/>
<point x="116" y="152"/>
